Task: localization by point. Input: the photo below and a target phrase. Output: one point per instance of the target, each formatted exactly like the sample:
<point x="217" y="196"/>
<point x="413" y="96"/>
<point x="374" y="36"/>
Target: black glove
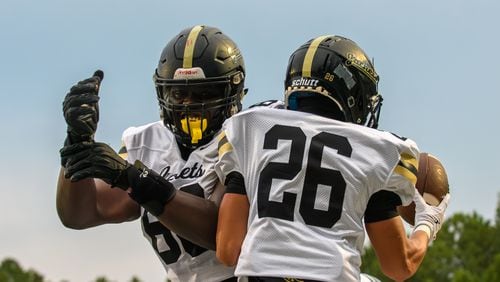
<point x="95" y="160"/>
<point x="98" y="160"/>
<point x="81" y="109"/>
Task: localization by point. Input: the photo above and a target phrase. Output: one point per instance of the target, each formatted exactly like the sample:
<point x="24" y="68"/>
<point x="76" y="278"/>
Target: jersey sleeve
<point x="228" y="161"/>
<point x="135" y="137"/>
<point x="381" y="206"/>
<point x="403" y="177"/>
<point x="125" y="143"/>
<point x="235" y="183"/>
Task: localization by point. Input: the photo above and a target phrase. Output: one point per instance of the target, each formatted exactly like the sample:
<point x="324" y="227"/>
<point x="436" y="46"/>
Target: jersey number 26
<point x="315" y="175"/>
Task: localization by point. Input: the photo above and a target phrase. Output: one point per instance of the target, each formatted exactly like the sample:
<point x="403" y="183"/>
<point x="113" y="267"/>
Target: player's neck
<point x="185" y="152"/>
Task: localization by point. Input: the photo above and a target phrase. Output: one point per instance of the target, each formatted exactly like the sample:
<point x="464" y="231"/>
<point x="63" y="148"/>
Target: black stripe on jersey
<point x="224" y="145"/>
<point x="223" y="141"/>
<point x="408" y="166"/>
<point x="276" y="104"/>
<point x="400" y="137"/>
<point x="235" y="183"/>
<point x="123" y="150"/>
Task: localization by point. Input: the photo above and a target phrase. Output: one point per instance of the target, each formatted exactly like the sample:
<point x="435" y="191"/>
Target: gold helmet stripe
<point x="306" y="67"/>
<point x="189" y="49"/>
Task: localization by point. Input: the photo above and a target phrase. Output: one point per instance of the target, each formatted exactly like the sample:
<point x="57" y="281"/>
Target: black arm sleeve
<point x="382" y="205"/>
<point x="235" y="183"/>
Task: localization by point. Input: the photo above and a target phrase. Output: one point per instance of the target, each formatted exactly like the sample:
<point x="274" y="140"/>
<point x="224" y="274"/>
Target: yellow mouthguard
<point x="196" y="126"/>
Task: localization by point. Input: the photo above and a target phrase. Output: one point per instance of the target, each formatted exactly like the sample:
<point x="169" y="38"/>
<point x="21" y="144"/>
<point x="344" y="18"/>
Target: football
<point x="432" y="184"/>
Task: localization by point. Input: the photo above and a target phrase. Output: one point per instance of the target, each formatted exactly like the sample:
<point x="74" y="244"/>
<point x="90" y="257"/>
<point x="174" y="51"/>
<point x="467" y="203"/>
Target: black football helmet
<point x="338" y="69"/>
<point x="199" y="83"/>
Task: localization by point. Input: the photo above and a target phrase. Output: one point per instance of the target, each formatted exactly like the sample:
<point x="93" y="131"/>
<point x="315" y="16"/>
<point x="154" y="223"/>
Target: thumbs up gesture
<point x="81" y="109"/>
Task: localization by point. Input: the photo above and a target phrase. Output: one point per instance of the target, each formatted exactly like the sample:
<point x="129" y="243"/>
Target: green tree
<point x="11" y="271"/>
<point x="467" y="249"/>
<point x="135" y="279"/>
<point x="102" y="279"/>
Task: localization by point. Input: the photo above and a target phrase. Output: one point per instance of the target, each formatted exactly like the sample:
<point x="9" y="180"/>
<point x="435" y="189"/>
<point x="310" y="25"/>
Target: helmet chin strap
<point x="194" y="126"/>
<point x="376" y="105"/>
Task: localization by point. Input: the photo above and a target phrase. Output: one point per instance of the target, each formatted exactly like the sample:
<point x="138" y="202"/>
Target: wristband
<point x="425" y="228"/>
<point x="149" y="189"/>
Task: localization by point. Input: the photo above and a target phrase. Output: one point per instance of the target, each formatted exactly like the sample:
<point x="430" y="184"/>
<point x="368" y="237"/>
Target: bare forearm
<point x="232" y="227"/>
<point x="413" y="255"/>
<point x="76" y="203"/>
<point x="399" y="255"/>
<point x="92" y="202"/>
<point x="417" y="247"/>
<point x="192" y="218"/>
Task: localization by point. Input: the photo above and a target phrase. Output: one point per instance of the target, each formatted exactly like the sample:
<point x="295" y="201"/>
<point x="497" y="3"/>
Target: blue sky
<point x="437" y="61"/>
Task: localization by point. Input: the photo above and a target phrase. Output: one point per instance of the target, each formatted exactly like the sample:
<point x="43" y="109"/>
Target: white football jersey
<point x="308" y="180"/>
<point x="155" y="146"/>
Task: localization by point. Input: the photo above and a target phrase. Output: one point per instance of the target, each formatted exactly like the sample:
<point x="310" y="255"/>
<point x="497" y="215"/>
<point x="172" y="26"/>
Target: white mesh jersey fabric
<point x="308" y="180"/>
<point x="155" y="146"/>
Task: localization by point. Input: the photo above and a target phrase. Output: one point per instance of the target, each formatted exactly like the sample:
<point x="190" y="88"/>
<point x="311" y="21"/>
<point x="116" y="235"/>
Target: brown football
<point x="432" y="184"/>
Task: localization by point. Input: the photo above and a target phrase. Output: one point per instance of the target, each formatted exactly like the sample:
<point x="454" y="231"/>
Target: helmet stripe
<point x="311" y="51"/>
<point x="189" y="49"/>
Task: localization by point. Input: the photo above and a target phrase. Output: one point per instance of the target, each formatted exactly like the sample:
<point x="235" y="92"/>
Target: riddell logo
<point x="187" y="72"/>
<point x="191" y="73"/>
<point x="305" y="82"/>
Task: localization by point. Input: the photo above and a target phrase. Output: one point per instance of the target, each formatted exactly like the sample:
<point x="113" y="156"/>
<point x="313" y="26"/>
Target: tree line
<point x="467" y="249"/>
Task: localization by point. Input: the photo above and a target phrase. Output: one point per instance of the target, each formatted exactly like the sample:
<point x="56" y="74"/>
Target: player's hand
<point x="430" y="216"/>
<point x="95" y="160"/>
<point x="81" y="109"/>
<point x="98" y="160"/>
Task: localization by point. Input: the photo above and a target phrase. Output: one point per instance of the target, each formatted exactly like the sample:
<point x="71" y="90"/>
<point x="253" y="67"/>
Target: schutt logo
<point x="305" y="82"/>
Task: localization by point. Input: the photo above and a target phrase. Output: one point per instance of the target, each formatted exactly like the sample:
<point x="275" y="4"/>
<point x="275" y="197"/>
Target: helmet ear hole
<point x="351" y="101"/>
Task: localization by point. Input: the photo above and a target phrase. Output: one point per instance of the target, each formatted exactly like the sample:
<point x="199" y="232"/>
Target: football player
<point x="303" y="183"/>
<point x="172" y="187"/>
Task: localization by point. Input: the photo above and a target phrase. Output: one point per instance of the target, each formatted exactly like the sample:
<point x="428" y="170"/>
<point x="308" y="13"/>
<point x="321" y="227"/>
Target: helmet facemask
<point x="195" y="109"/>
<point x="363" y="103"/>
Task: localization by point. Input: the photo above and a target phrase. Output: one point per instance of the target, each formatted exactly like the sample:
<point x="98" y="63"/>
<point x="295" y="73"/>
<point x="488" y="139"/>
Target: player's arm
<point x="400" y="255"/>
<point x="388" y="237"/>
<point x="88" y="202"/>
<point x="91" y="202"/>
<point x="193" y="218"/>
<point x="233" y="218"/>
